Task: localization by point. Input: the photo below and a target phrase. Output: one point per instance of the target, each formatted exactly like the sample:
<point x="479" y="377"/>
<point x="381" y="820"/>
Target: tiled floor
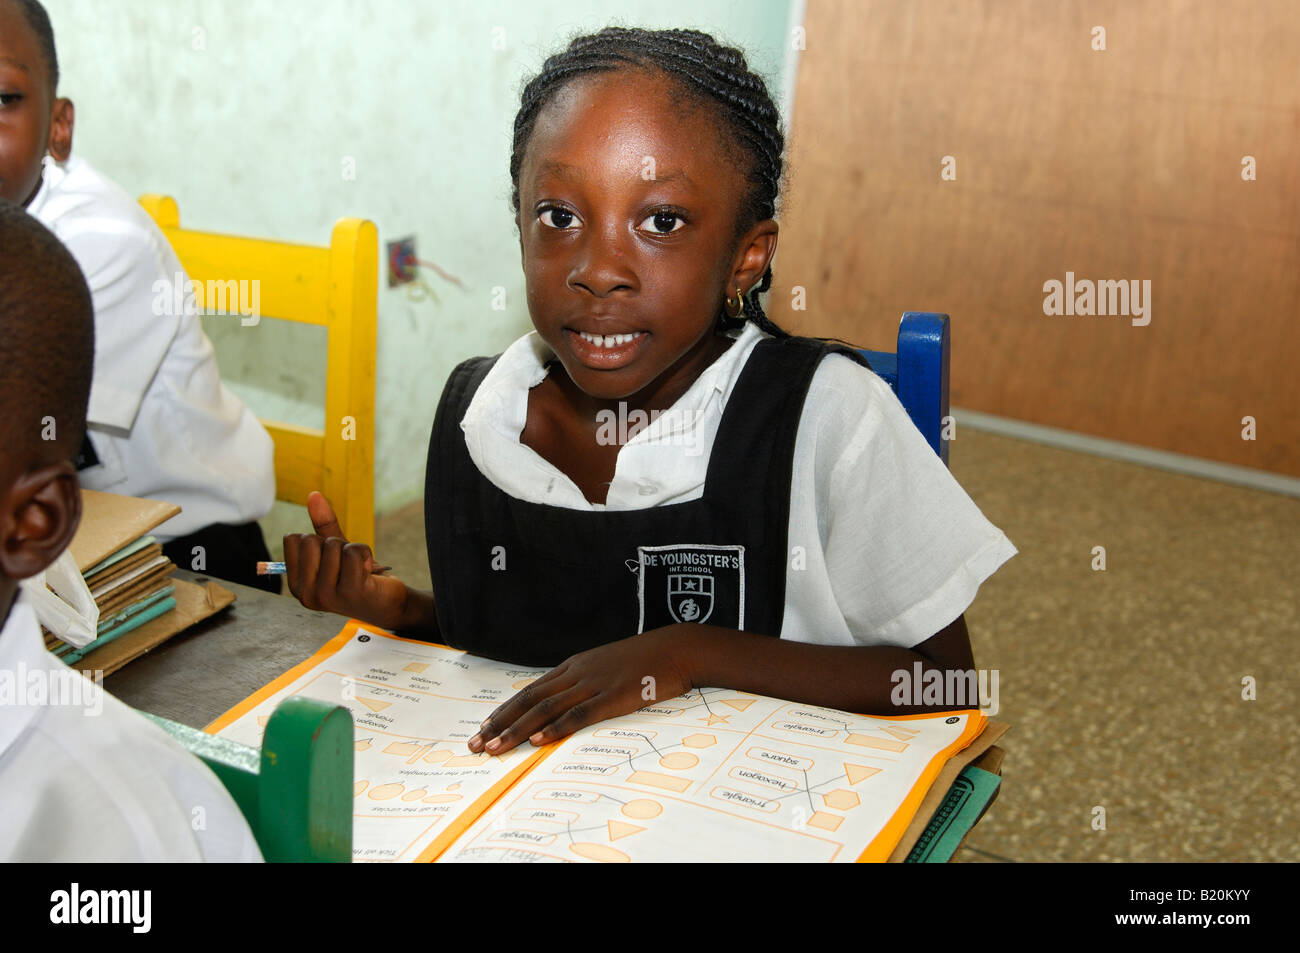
<point x="1123" y="687"/>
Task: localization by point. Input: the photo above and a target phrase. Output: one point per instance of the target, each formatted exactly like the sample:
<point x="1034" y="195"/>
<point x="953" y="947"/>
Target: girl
<point x="659" y="489"/>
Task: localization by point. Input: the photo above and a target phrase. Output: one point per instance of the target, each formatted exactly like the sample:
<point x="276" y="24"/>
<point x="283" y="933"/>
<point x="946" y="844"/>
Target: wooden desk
<point x="209" y="668"/>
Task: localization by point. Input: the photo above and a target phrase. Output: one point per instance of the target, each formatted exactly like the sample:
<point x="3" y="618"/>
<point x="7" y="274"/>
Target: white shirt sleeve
<point x="126" y="273"/>
<point x="116" y="789"/>
<point x="160" y="420"/>
<point x="905" y="548"/>
<point x="86" y="778"/>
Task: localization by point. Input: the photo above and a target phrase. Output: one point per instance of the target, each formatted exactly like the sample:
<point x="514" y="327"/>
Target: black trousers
<point x="230" y="552"/>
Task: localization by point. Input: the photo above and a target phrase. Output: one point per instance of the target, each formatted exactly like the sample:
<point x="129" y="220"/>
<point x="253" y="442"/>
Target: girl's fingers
<point x="517" y="723"/>
<point x="557" y="679"/>
<point x="308" y="563"/>
<point x="355" y="568"/>
<point x="327" y="575"/>
<point x="578" y="716"/>
<point x="322" y="515"/>
<point x="511" y="710"/>
<point x="291" y="541"/>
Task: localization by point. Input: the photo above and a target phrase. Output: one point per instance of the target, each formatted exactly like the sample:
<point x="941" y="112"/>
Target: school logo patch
<point x="691" y="582"/>
<point x="690" y="598"/>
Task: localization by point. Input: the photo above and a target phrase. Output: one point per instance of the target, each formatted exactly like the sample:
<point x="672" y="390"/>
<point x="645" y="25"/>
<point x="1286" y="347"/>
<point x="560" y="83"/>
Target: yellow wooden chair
<point x="334" y="287"/>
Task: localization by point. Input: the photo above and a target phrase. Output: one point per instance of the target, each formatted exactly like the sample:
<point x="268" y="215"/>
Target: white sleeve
<point x="218" y="826"/>
<point x="905" y="547"/>
<point x="135" y="313"/>
<point x="89" y="787"/>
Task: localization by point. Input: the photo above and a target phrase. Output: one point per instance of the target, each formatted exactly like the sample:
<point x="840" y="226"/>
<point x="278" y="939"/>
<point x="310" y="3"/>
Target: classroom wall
<point x="277" y="117"/>
<point x="1122" y="163"/>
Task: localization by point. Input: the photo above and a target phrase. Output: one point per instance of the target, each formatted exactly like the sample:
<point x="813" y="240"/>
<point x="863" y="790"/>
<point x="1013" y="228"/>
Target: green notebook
<point x="121" y="554"/>
<point x="963" y="805"/>
<point x="134" y="622"/>
<point x="107" y="623"/>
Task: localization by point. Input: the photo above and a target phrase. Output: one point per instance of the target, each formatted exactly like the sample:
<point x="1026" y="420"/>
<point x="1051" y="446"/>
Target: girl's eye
<point x="560" y="218"/>
<point x="7" y="98"/>
<point x="663" y="222"/>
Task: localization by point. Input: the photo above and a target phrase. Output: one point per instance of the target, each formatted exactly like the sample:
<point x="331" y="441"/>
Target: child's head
<point x="33" y="120"/>
<point x="47" y="348"/>
<point x="646" y="168"/>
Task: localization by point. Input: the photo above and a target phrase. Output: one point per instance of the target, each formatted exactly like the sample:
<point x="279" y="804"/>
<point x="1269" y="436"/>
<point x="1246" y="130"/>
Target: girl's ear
<point x="757" y="249"/>
<point x="39" y="514"/>
<point x="61" y="121"/>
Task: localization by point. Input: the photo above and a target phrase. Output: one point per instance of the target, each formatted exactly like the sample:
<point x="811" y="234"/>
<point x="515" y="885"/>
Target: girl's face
<point x="626" y="223"/>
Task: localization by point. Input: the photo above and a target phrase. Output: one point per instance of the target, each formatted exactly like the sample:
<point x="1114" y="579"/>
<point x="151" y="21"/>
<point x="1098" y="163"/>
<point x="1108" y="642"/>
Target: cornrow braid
<point x="707" y="73"/>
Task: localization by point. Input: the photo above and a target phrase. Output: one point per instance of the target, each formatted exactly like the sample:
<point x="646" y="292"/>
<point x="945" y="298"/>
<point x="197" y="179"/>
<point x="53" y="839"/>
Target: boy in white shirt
<point x="160" y="422"/>
<point x="82" y="776"/>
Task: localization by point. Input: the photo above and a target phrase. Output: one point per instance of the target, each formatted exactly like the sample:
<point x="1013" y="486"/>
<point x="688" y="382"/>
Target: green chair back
<point x="296" y="793"/>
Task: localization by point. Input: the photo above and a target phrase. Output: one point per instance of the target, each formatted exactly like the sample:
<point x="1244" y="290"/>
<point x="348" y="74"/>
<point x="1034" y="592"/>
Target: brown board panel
<point x="1122" y="164"/>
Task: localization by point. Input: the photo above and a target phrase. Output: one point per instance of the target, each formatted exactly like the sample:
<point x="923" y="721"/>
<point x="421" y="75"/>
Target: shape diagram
<point x="396" y="789"/>
<point x="785" y="785"/>
<point x="590" y="842"/>
<point x="816" y="727"/>
<point x="700" y="698"/>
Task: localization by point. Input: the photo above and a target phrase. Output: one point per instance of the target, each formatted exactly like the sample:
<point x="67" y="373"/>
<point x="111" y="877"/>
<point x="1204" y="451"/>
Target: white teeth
<point x="608" y="340"/>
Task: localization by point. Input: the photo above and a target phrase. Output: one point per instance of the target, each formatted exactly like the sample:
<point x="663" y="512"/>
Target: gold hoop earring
<point x="740" y="304"/>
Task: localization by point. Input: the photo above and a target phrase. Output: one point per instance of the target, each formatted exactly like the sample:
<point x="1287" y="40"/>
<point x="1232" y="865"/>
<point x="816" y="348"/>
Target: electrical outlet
<point x="401" y="261"/>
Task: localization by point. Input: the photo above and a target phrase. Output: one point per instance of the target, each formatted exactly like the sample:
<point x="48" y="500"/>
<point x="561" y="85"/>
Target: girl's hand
<point x="327" y="572"/>
<point x="603" y="682"/>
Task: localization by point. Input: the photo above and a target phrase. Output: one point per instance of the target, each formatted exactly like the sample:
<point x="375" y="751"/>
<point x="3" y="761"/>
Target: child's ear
<point x="38" y="518"/>
<point x="61" y="121"/>
<point x="757" y="248"/>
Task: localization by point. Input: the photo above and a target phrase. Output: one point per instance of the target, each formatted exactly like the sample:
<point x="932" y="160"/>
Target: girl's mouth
<point x="605" y="351"/>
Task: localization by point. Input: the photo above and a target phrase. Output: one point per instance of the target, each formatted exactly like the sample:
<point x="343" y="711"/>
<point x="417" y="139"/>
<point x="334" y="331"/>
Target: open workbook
<point x="714" y="774"/>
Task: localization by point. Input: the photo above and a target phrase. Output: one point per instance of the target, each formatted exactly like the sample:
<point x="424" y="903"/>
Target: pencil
<point x="277" y="569"/>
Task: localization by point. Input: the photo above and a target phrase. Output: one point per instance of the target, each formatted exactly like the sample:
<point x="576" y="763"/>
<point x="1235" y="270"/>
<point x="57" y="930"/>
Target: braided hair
<point x="707" y="73"/>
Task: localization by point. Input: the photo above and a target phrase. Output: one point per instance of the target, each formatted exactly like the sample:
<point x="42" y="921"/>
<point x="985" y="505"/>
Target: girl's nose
<point x="601" y="263"/>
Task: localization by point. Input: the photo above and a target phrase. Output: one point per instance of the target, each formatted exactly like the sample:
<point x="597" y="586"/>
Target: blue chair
<point x="918" y="373"/>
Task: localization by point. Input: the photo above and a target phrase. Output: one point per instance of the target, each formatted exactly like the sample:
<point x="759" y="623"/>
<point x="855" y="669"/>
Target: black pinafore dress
<point x="533" y="584"/>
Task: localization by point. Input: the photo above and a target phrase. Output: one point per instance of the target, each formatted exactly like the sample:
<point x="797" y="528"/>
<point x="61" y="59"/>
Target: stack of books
<point x="131" y="582"/>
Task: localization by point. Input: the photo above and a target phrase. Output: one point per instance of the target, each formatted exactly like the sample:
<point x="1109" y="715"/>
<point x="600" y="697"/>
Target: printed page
<point x="719" y="775"/>
<point x="414" y="706"/>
